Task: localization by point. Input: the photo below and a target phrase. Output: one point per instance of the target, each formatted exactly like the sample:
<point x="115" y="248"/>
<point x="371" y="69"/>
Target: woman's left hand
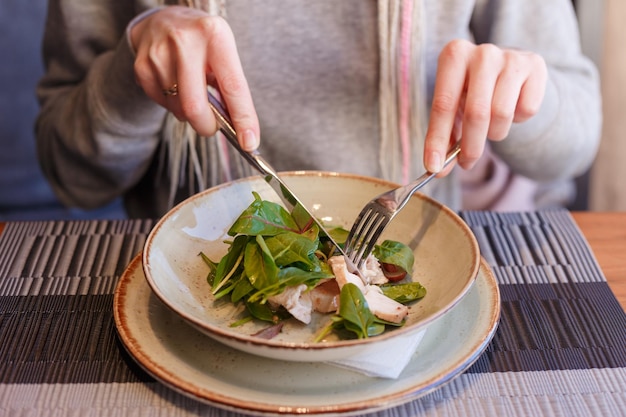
<point x="480" y="90"/>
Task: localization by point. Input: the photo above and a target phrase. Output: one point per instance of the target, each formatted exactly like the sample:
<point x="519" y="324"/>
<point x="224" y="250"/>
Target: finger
<point x="449" y="86"/>
<point x="147" y="78"/>
<point x="192" y="87"/>
<point x="483" y="72"/>
<point x="155" y="73"/>
<point x="505" y="98"/>
<point x="532" y="91"/>
<point x="455" y="137"/>
<point x="226" y="67"/>
<point x="171" y="88"/>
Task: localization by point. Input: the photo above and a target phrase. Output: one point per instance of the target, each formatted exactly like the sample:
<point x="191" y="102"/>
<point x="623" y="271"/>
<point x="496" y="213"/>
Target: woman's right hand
<point x="189" y="49"/>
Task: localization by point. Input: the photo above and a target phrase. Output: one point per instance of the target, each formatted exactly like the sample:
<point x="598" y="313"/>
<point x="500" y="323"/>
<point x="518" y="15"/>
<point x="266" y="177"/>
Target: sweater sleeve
<point x="561" y="141"/>
<point x="96" y="130"/>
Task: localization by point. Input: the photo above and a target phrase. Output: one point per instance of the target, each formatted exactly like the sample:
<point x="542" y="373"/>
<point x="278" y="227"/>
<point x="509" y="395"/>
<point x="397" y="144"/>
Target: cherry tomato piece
<point x="393" y="272"/>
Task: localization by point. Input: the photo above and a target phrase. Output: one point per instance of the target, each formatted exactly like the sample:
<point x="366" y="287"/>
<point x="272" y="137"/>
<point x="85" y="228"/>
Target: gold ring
<point x="172" y="91"/>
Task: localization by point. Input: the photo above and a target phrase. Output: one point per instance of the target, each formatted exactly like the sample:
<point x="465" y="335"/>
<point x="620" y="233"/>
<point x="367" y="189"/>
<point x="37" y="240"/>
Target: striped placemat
<point x="560" y="348"/>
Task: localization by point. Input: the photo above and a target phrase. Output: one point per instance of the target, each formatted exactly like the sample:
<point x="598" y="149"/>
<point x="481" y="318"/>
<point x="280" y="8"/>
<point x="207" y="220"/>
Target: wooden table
<point x="606" y="234"/>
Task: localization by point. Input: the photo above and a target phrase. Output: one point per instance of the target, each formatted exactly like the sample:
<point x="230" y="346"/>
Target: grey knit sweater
<point x="312" y="67"/>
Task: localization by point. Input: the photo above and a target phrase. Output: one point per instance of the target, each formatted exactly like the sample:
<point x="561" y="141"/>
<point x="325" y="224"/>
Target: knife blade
<point x="287" y="196"/>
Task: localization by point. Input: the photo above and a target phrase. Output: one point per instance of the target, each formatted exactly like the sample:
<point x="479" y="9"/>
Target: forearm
<point x="96" y="131"/>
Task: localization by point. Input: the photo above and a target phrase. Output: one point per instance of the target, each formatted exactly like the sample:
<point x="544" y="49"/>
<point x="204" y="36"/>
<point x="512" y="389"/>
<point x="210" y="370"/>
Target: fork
<point x="378" y="212"/>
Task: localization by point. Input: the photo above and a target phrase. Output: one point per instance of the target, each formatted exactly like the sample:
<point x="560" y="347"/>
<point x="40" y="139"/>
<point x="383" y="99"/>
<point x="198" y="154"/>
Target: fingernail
<point x="250" y="140"/>
<point x="434" y="162"/>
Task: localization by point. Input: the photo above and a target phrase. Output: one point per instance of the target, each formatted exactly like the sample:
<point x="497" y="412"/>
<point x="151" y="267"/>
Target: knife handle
<point x="226" y="127"/>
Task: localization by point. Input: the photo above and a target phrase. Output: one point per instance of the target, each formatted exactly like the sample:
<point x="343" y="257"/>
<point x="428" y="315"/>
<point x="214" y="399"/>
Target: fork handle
<point x="402" y="194"/>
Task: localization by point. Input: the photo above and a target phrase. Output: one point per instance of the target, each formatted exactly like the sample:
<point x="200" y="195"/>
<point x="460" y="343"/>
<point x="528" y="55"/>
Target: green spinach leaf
<point x="259" y="265"/>
<point x="289" y="248"/>
<point x="404" y="293"/>
<point x="395" y="253"/>
<point x="263" y="218"/>
<point x="229" y="264"/>
<point x="354" y="311"/>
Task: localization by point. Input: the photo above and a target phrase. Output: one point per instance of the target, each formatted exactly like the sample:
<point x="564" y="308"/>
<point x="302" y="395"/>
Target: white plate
<point x="195" y="365"/>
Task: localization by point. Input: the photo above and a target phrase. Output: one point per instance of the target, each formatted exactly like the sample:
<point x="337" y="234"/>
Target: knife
<point x="271" y="176"/>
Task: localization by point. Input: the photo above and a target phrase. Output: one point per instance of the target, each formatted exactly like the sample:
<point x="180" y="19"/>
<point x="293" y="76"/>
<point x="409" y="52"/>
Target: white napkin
<point x="388" y="360"/>
<point x="385" y="359"/>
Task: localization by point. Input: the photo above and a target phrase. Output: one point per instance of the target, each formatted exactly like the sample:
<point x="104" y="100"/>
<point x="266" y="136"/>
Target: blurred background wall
<point x="607" y="190"/>
<point x="24" y="193"/>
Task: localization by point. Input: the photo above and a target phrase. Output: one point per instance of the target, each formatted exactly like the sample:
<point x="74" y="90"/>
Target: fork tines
<point x="364" y="234"/>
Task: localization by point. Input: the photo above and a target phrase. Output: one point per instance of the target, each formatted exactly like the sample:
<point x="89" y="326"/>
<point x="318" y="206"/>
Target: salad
<point x="279" y="267"/>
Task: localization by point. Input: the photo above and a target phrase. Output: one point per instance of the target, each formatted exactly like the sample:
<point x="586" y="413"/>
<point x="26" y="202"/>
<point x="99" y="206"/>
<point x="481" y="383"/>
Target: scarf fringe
<point x="402" y="113"/>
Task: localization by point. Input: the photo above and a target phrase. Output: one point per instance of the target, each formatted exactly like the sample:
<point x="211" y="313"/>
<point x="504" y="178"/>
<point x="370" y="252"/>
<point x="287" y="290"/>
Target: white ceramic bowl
<point x="446" y="260"/>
